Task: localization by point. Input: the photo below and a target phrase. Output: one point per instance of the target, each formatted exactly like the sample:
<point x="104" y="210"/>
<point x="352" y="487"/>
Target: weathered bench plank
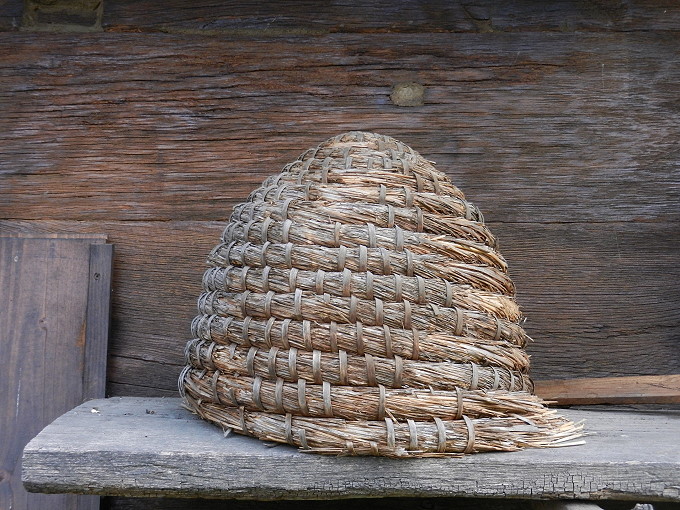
<point x="152" y="447"/>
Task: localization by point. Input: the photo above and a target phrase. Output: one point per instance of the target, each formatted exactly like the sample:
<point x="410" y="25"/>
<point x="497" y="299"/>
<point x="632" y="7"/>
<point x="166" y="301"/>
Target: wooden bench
<point x="145" y="447"/>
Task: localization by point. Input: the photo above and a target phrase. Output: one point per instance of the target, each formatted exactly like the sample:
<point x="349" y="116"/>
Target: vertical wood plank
<point x="97" y="319"/>
<point x="45" y="287"/>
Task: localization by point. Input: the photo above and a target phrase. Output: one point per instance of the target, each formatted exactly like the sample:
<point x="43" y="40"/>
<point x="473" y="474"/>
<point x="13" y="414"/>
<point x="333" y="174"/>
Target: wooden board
<point x="652" y="389"/>
<point x="146" y="447"/>
<point x="54" y="329"/>
<point x="377" y="503"/>
<point x="533" y="127"/>
<point x="272" y="17"/>
<point x="561" y="270"/>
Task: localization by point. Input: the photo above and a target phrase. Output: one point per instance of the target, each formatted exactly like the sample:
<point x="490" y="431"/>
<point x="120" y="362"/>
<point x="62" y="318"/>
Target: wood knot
<point x="408" y="94"/>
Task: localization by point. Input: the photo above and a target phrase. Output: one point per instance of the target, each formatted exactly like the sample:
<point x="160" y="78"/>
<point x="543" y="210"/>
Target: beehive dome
<point x="357" y="304"/>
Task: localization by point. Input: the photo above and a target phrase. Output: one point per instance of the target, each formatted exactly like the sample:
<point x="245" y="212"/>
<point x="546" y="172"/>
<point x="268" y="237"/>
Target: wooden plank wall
<point x="559" y="120"/>
<point x="54" y="318"/>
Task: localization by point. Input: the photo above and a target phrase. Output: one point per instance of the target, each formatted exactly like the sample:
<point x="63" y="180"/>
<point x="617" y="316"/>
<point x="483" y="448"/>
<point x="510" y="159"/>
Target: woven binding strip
<point x="357" y="304"/>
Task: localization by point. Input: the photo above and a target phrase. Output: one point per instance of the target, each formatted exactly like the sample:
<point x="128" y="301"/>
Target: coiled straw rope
<point x="358" y="305"/>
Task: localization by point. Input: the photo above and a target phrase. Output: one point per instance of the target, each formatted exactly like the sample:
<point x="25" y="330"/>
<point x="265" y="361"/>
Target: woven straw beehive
<point x="357" y="304"/>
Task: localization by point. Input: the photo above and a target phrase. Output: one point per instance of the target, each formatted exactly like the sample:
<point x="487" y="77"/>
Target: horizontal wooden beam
<point x="652" y="389"/>
<point x="276" y="17"/>
<point x="531" y="127"/>
<point x="151" y="447"/>
<point x="573" y="338"/>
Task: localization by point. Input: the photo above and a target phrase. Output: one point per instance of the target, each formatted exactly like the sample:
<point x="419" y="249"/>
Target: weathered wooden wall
<point x="560" y="121"/>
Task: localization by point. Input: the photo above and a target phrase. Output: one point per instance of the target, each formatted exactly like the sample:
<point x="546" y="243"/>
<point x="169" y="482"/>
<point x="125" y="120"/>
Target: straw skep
<point x="357" y="304"/>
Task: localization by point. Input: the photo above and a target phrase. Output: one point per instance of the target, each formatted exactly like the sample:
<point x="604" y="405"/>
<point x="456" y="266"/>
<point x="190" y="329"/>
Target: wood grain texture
<point x="567" y="142"/>
<point x="97" y="320"/>
<point x="422" y="503"/>
<point x="576" y="285"/>
<point x="597" y="303"/>
<point x="147" y="447"/>
<point x="49" y="325"/>
<point x="534" y="127"/>
<point x="441" y="503"/>
<point x="653" y="389"/>
<point x="413" y="503"/>
<point x="271" y="17"/>
<point x="122" y="503"/>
